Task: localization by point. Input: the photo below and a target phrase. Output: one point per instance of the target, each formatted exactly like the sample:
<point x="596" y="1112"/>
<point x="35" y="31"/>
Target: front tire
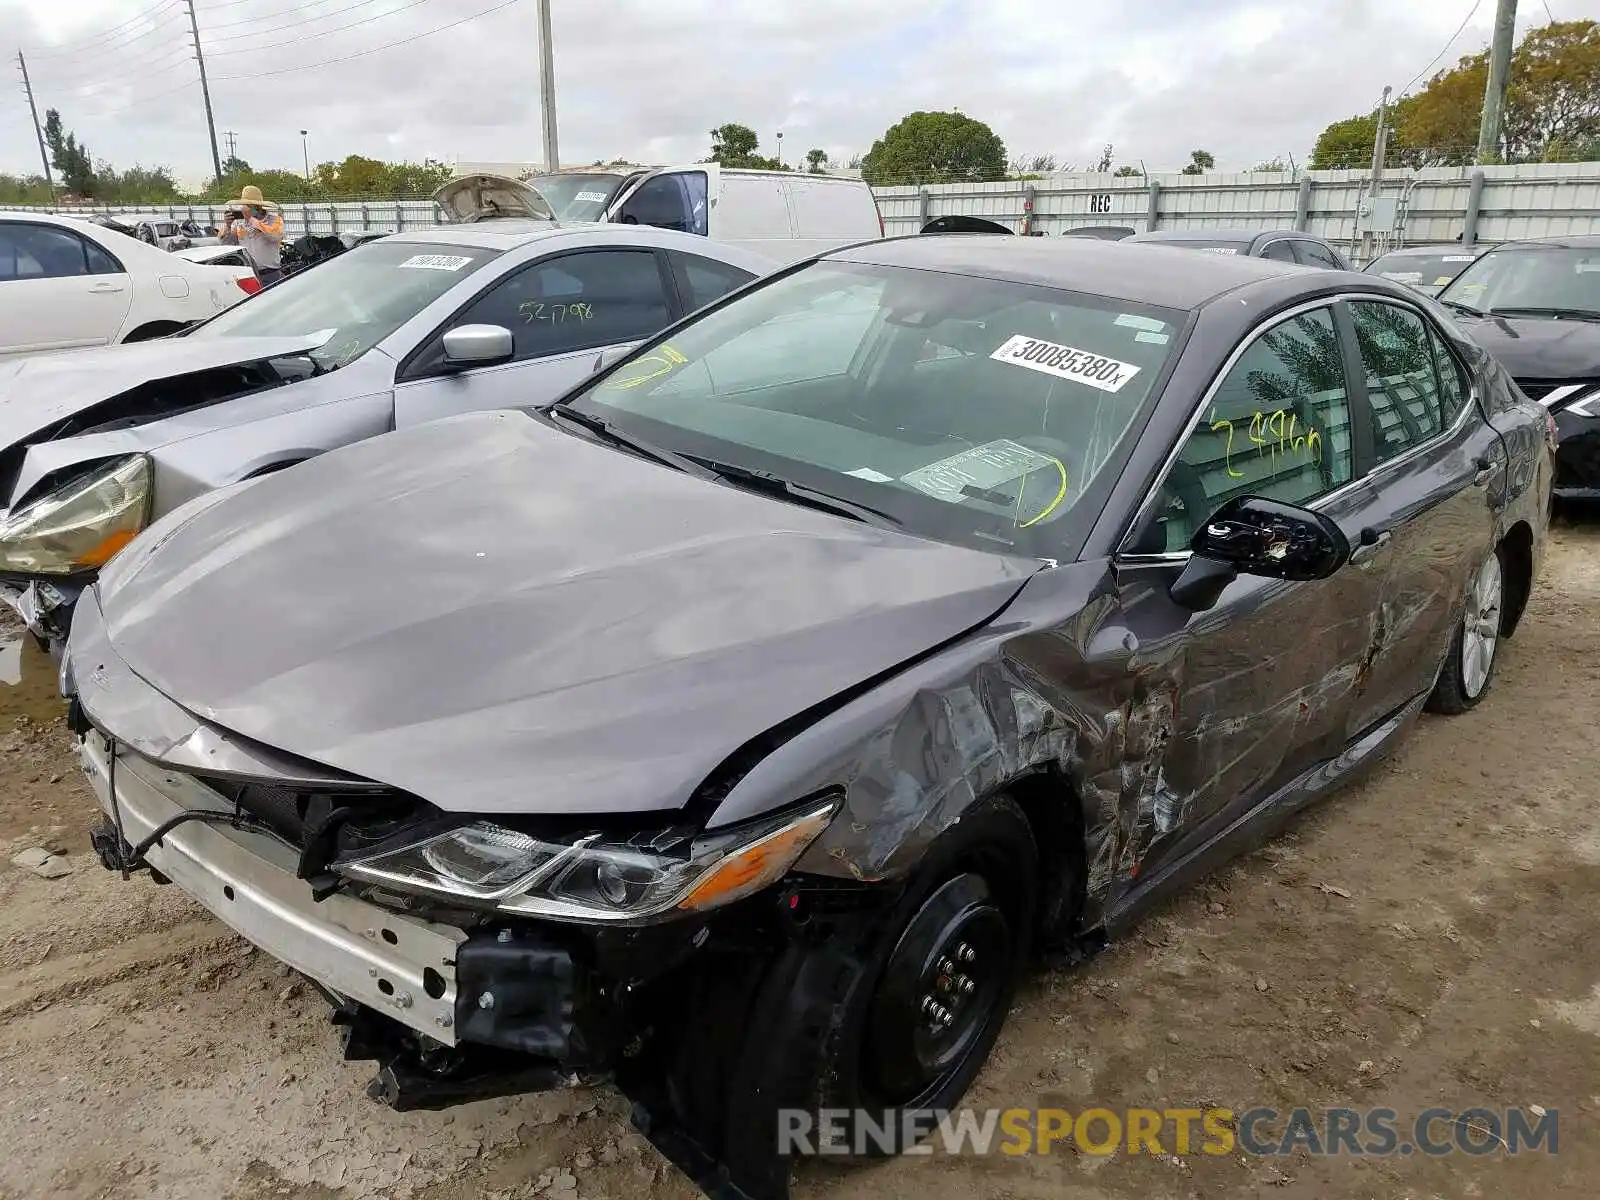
<point x="1474" y="648"/>
<point x="893" y="1013"/>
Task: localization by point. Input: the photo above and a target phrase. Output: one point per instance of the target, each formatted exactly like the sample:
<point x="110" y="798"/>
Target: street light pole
<point x="547" y="89"/>
<point x="305" y="153"/>
<point x="780" y="147"/>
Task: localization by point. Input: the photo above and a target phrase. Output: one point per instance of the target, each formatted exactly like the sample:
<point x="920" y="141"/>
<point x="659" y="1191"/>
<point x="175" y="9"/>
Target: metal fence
<point x="1488" y="204"/>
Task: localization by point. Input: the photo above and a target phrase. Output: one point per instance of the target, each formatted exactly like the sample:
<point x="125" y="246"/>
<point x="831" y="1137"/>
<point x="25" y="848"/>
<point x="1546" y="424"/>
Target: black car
<point x="1282" y="245"/>
<point x="1535" y="306"/>
<point x="1428" y="269"/>
<point x="742" y="723"/>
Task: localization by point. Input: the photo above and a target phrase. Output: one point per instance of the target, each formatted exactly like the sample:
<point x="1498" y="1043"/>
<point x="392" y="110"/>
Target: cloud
<point x="647" y="79"/>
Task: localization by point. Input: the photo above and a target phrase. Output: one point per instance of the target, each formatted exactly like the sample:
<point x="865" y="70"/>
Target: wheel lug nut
<point x="966" y="985"/>
<point x="930" y="1006"/>
<point x="965" y="952"/>
<point x="946" y="967"/>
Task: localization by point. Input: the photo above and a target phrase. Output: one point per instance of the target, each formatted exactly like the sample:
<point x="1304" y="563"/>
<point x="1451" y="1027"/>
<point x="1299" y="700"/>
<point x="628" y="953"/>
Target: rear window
<point x="1426" y="272"/>
<point x="973" y="411"/>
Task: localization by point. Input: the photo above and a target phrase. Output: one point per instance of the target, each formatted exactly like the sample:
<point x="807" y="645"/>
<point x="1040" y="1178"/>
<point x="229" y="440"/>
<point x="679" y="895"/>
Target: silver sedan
<point x="95" y="445"/>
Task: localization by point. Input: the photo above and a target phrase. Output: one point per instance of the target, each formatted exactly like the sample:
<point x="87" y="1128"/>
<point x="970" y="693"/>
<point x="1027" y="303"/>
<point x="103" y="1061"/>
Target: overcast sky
<point x="646" y="79"/>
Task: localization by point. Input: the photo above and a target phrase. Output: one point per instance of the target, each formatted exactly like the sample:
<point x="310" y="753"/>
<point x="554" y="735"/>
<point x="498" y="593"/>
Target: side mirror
<point x="1253" y="535"/>
<point x="477" y="345"/>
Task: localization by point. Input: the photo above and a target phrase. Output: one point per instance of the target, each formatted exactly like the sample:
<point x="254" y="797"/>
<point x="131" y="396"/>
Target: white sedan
<point x="67" y="284"/>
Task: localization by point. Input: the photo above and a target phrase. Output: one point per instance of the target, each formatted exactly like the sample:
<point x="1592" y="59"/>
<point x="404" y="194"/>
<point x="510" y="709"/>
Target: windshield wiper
<point x="780" y="488"/>
<point x="1565" y="314"/>
<point x="605" y="430"/>
<point x="1465" y="308"/>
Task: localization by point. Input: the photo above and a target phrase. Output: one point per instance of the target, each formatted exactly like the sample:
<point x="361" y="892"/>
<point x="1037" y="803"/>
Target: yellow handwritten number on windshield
<point x="1272" y="433"/>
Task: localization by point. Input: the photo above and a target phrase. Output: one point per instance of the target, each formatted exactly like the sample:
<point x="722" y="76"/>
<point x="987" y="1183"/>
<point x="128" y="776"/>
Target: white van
<point x="783" y="215"/>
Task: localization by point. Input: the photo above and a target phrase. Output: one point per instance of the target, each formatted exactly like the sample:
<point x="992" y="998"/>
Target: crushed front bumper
<point x="46" y="608"/>
<point x="394" y="964"/>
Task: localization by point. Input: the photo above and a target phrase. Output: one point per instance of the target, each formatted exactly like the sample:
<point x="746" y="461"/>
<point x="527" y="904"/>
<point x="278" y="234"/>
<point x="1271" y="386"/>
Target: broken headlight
<point x="594" y="878"/>
<point x="80" y="525"/>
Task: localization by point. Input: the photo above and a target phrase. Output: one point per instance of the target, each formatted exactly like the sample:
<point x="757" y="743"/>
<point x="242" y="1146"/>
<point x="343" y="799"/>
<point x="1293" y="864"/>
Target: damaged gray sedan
<point x="741" y="725"/>
<point x="95" y="444"/>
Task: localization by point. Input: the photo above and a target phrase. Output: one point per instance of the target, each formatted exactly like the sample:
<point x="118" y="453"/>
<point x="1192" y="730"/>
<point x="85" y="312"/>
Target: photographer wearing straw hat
<point x="256" y="224"/>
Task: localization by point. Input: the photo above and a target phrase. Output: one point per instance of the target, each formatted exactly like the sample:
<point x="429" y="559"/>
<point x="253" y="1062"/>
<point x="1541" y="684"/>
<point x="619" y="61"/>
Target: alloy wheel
<point x="1480" y="634"/>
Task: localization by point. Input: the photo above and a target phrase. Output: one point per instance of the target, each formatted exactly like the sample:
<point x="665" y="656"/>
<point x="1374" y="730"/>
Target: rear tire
<point x="1474" y="648"/>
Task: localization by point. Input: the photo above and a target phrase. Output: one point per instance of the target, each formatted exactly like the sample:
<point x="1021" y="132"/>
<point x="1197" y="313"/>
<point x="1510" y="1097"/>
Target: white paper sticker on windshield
<point x="1220" y="249"/>
<point x="1134" y="321"/>
<point x="436" y="262"/>
<point x="1460" y="258"/>
<point x="1066" y="362"/>
<point x="966" y="476"/>
<point x="1587" y="268"/>
<point x="1144" y="335"/>
<point x="1404" y="276"/>
<point x="870" y="475"/>
<point x="591" y="197"/>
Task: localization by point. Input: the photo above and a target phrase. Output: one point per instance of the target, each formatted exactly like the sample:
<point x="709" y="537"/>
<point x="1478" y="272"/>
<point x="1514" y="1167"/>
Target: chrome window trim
<point x="1140" y="513"/>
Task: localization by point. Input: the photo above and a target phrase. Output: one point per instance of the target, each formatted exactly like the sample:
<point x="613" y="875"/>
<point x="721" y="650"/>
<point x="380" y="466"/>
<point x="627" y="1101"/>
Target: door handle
<point x="103" y="288"/>
<point x="1371" y="542"/>
<point x="1486" y="471"/>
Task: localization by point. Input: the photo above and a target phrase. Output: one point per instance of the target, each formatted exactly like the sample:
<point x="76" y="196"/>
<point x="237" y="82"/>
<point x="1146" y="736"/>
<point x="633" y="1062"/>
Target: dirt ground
<point x="1425" y="939"/>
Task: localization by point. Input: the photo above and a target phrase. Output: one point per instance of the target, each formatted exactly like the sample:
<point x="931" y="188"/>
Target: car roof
<point x="508" y="233"/>
<point x="1575" y="241"/>
<point x="1123" y="269"/>
<point x="1431" y="250"/>
<point x="1218" y="235"/>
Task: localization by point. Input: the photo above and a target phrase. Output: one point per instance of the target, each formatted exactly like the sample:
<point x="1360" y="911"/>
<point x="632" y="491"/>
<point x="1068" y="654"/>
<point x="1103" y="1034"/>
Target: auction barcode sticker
<point x="1066" y="362"/>
<point x="591" y="197"/>
<point x="436" y="262"/>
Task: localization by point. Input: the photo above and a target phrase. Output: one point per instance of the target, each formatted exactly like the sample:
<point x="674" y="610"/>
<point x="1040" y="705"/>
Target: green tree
<point x="935" y="147"/>
<point x="733" y="145"/>
<point x="136" y="185"/>
<point x="817" y="161"/>
<point x="1552" y="110"/>
<point x="70" y="159"/>
<point x="1127" y="171"/>
<point x="1200" y="161"/>
<point x="24" y="189"/>
<point x="1272" y="164"/>
<point x="234" y="165"/>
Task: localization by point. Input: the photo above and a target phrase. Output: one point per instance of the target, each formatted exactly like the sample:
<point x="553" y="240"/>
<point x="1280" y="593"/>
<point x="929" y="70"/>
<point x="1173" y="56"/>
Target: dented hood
<point x="38" y="392"/>
<point x="498" y="616"/>
<point x="481" y="197"/>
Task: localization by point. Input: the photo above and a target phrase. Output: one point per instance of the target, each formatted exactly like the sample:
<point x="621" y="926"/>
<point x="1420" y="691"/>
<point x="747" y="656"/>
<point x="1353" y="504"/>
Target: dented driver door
<point x="1259" y="685"/>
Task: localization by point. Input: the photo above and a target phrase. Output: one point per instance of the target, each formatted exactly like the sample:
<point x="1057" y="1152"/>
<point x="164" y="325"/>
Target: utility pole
<point x="232" y="139"/>
<point x="44" y="157"/>
<point x="205" y="88"/>
<point x="1494" y="92"/>
<point x="1380" y="146"/>
<point x="547" y="89"/>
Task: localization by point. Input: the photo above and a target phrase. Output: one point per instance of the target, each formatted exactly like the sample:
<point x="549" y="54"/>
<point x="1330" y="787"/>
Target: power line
<point x="1464" y="23"/>
<point x="328" y="62"/>
<point x="319" y="33"/>
<point x="284" y="12"/>
<point x="114" y="49"/>
<point x="72" y="48"/>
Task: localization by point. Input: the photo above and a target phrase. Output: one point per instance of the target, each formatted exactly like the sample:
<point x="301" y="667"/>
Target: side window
<point x="1278" y="425"/>
<point x="672" y="201"/>
<point x="40" y="252"/>
<point x="576" y="302"/>
<point x="100" y="260"/>
<point x="1455" y="392"/>
<point x="1402" y="388"/>
<point x="1279" y="251"/>
<point x="702" y="280"/>
<point x="1315" y="254"/>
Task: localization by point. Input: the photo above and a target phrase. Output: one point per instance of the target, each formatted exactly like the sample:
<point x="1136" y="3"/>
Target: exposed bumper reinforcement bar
<point x="396" y="965"/>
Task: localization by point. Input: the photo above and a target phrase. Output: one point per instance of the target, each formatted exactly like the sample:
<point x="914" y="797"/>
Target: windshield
<point x="962" y="409"/>
<point x="577" y="197"/>
<point x="358" y="298"/>
<point x="1546" y="281"/>
<point x="1427" y="273"/>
